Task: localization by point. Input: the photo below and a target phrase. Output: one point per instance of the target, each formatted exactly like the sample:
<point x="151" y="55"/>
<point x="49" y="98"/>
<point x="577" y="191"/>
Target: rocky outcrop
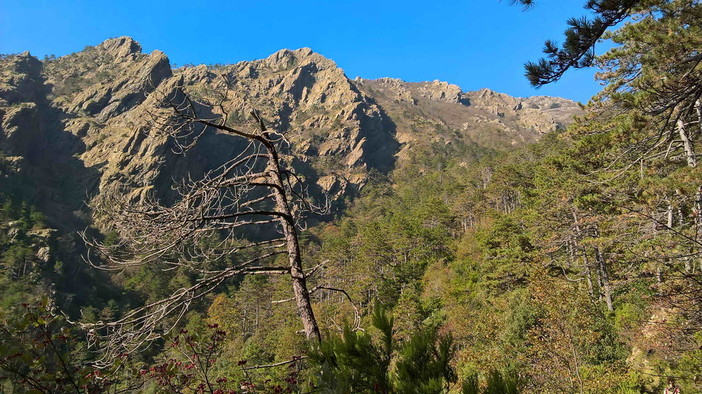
<point x="438" y="112"/>
<point x="21" y="93"/>
<point x="35" y="151"/>
<point x="539" y="113"/>
<point x="120" y="79"/>
<point x="335" y="131"/>
<point x="20" y="79"/>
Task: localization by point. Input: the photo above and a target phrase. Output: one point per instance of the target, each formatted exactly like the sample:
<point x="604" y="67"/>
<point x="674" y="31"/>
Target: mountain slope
<point x="78" y="126"/>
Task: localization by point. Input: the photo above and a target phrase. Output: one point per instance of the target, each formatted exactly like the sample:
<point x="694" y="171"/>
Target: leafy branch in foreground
<point x="40" y="352"/>
<point x="578" y="49"/>
<point x="356" y="362"/>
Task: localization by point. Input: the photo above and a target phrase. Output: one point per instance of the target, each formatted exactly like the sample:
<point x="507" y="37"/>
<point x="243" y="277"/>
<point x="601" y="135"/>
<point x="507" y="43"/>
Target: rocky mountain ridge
<point x="76" y="126"/>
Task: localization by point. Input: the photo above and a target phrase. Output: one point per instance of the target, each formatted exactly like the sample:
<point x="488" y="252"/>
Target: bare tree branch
<point x="204" y="230"/>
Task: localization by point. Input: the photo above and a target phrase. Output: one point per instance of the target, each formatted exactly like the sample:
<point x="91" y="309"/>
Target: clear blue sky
<point x="471" y="43"/>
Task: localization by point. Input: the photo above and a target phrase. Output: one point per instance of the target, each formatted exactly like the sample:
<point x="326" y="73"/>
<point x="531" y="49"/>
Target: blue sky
<point x="471" y="43"/>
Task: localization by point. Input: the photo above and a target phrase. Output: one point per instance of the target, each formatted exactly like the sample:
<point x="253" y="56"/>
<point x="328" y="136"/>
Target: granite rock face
<point x="77" y="126"/>
<point x="336" y="133"/>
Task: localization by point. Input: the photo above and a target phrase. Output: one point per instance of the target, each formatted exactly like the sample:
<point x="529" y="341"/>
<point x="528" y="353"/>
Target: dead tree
<point x="204" y="230"/>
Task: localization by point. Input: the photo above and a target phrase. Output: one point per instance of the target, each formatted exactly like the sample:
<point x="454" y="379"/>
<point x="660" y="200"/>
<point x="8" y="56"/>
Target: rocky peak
<point x="24" y="63"/>
<point x="440" y="91"/>
<point x="120" y="47"/>
<point x="108" y="79"/>
<point x="286" y="59"/>
<point x="413" y="92"/>
<point x="487" y="98"/>
<point x="485" y="92"/>
<point x="541" y="113"/>
<point x="20" y="79"/>
<point x="297" y="79"/>
<point x="398" y="87"/>
<point x="332" y="127"/>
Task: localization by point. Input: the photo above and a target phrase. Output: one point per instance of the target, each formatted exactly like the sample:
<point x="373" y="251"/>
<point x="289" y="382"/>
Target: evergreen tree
<point x="578" y="49"/>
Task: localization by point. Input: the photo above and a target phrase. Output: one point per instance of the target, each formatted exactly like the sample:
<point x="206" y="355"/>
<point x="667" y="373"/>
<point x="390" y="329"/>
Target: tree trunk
<point x="297" y="275"/>
<point x="687" y="145"/>
<point x="588" y="277"/>
<point x="603" y="277"/>
<point x="698" y="109"/>
<point x="586" y="261"/>
<point x="698" y="212"/>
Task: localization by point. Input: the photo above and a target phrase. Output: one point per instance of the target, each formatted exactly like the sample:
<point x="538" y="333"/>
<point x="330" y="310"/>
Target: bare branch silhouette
<point x="205" y="231"/>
